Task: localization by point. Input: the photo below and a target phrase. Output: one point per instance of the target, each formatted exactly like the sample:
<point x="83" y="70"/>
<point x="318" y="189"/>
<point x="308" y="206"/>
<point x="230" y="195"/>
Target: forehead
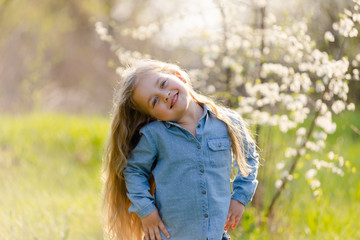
<point x="150" y="75"/>
<point x="145" y="88"/>
<point x="149" y="79"/>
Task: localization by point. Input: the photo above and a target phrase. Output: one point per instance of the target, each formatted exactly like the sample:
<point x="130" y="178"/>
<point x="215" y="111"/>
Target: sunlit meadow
<point x="294" y="94"/>
<point x="50" y="183"/>
<point x="50" y="176"/>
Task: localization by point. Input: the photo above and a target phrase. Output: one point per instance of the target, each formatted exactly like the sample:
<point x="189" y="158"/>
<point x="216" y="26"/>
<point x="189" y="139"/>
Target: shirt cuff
<point x="146" y="210"/>
<point x="241" y="198"/>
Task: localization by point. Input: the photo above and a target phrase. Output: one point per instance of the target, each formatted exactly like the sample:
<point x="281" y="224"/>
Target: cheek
<point x="158" y="111"/>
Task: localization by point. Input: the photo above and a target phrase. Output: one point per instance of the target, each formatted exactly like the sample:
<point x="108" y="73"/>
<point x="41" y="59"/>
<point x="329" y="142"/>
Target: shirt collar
<point x="207" y="110"/>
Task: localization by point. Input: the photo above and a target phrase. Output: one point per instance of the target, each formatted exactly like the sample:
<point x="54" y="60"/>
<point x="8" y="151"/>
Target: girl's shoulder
<point x="152" y="127"/>
<point x="232" y="114"/>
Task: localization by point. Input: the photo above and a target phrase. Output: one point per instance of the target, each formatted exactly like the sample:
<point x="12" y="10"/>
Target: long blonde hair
<point x="127" y="119"/>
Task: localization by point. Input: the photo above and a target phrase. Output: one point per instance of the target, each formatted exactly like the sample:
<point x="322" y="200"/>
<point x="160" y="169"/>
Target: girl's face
<point x="163" y="96"/>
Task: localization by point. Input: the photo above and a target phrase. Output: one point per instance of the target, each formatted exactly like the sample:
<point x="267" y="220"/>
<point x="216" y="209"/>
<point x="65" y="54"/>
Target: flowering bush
<point x="272" y="74"/>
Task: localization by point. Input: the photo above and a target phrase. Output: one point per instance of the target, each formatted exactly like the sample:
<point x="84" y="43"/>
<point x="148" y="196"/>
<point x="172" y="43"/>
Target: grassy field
<point x="50" y="185"/>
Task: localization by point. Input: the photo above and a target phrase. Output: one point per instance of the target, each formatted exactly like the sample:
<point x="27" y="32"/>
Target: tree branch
<point x="296" y="158"/>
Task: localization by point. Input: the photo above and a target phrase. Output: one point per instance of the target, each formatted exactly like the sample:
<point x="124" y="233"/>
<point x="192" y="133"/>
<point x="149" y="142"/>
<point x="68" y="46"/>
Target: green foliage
<point x="50" y="176"/>
<point x="298" y="214"/>
<point x="50" y="187"/>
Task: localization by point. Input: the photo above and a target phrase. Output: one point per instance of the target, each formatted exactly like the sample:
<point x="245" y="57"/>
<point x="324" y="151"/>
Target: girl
<point x="169" y="157"/>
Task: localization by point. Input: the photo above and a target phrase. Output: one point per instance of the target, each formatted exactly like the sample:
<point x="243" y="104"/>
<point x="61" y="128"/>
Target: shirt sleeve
<point x="244" y="187"/>
<point x="137" y="173"/>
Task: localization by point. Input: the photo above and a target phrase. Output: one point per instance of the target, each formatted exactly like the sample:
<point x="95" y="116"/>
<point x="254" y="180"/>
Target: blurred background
<point x="51" y="58"/>
<point x="60" y="62"/>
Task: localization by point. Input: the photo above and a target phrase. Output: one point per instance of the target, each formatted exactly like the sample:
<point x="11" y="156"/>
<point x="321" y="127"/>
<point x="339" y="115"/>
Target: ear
<point x="178" y="74"/>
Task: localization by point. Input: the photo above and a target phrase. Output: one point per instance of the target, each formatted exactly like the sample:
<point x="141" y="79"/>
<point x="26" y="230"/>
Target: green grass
<point x="50" y="185"/>
<point x="299" y="215"/>
<point x="50" y="176"/>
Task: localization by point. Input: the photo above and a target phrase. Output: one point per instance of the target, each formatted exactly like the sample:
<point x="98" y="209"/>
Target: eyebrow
<point x="156" y="83"/>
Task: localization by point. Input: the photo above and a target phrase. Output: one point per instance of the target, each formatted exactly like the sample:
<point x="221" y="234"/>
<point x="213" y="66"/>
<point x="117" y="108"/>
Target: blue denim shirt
<point x="192" y="177"/>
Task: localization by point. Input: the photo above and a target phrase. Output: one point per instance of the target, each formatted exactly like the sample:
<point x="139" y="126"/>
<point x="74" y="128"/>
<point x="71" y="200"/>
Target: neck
<point x="193" y="114"/>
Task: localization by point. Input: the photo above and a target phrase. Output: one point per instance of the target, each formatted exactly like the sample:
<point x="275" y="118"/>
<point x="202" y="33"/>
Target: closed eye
<point x="162" y="84"/>
<point x="156" y="99"/>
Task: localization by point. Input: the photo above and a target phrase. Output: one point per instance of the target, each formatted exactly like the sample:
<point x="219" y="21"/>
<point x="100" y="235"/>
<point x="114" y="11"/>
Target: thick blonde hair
<point x="127" y="120"/>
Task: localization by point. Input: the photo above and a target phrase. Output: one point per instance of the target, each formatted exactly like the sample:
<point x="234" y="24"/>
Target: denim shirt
<point x="192" y="176"/>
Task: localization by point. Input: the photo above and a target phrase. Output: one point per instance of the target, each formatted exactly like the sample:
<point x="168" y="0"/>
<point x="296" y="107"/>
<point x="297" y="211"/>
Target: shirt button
<point x="204" y="192"/>
<point x="219" y="145"/>
<point x="205" y="215"/>
<point x="198" y="146"/>
<point x="198" y="126"/>
<point x="202" y="170"/>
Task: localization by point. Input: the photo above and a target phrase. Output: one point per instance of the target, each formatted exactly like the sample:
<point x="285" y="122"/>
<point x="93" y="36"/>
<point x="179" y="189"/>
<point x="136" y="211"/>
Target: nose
<point x="166" y="97"/>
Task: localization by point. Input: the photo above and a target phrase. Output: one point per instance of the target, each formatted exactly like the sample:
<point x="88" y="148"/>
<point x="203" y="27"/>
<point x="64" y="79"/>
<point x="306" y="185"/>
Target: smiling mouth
<point x="174" y="100"/>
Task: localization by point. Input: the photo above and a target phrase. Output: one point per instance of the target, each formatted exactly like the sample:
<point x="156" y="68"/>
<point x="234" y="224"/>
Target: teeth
<point x="174" y="100"/>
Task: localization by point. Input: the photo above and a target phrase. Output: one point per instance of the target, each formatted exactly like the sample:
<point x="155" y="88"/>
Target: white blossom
<point x="280" y="165"/>
<point x="319" y="135"/>
<point x="326" y="123"/>
<point x="356" y="74"/>
<point x="351" y="107"/>
<point x="321" y="144"/>
<point x="211" y="88"/>
<point x="356" y="17"/>
<point x="301" y="131"/>
<point x="285" y="123"/>
<point x="348" y="12"/>
<point x="310" y="174"/>
<point x="355" y="63"/>
<point x="319" y="86"/>
<point x="346" y="27"/>
<point x="260" y="117"/>
<point x="330" y="165"/>
<point x="102" y="31"/>
<point x="337" y="171"/>
<point x="331" y="155"/>
<point x="338" y="106"/>
<point x="290" y="152"/>
<point x="278" y="69"/>
<point x="341" y="161"/>
<point x="315" y="184"/>
<point x="313" y="146"/>
<point x="299" y="140"/>
<point x="284" y="174"/>
<point x="273" y="120"/>
<point x="278" y="183"/>
<point x="302" y="151"/>
<point x="329" y="36"/>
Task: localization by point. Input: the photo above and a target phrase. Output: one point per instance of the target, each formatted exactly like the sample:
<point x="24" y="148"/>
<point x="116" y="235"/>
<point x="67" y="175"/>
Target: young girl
<point x="169" y="158"/>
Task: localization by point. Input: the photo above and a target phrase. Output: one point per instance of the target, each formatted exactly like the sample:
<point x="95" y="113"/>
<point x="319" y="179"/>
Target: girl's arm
<point x="243" y="189"/>
<point x="137" y="173"/>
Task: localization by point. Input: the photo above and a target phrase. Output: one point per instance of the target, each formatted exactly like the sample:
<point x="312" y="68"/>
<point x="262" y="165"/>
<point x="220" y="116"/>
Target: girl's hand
<point x="151" y="224"/>
<point x="236" y="210"/>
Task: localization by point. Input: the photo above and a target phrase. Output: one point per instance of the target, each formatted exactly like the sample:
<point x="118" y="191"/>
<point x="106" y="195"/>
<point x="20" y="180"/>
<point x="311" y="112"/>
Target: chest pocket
<point x="220" y="152"/>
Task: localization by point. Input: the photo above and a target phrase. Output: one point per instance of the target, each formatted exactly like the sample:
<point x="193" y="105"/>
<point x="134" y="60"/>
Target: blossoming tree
<point x="272" y="73"/>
